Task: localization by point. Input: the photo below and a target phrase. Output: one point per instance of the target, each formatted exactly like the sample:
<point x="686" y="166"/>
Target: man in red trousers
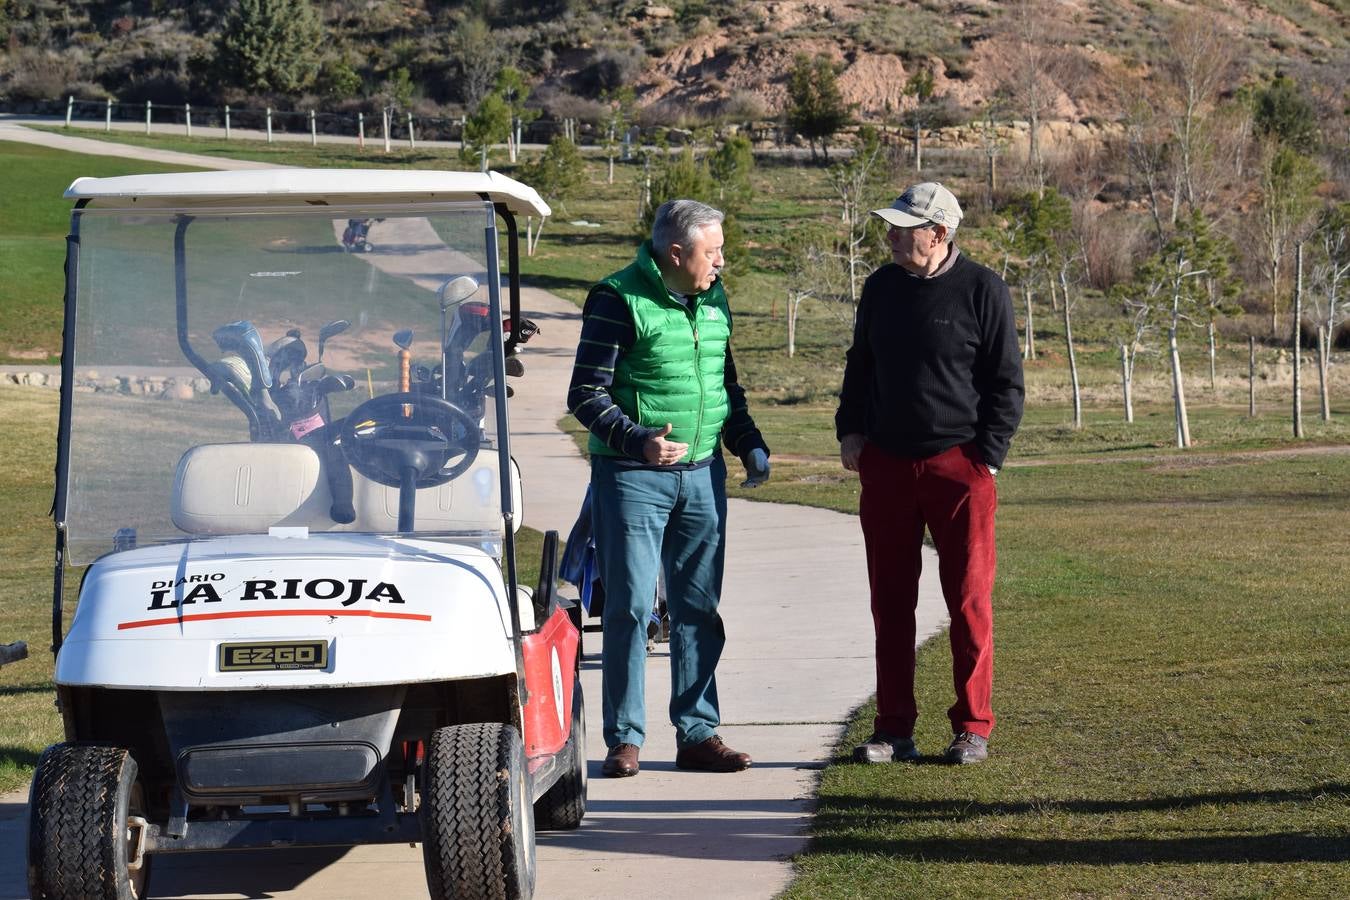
<point x="932" y="396"/>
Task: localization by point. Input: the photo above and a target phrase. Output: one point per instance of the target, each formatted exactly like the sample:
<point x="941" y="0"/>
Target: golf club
<point x="331" y="330"/>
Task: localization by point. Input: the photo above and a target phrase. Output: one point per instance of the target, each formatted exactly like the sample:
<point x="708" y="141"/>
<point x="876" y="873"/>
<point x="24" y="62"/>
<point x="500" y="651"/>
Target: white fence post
<point x="227" y="121"/>
<point x="187" y="118"/>
<point x="361" y="130"/>
<point x="147" y="117"/>
<point x="412" y="140"/>
<point x="313" y="131"/>
<point x="107" y="116"/>
<point x="70" y="108"/>
<point x="385" y="113"/>
<point x="269" y="124"/>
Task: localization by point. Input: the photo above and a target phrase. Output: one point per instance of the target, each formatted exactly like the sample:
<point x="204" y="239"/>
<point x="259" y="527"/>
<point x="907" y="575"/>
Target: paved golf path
<point x="798" y="660"/>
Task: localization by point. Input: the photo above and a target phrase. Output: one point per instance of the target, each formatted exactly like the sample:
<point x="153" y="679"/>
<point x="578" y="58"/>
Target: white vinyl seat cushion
<point x="249" y="488"/>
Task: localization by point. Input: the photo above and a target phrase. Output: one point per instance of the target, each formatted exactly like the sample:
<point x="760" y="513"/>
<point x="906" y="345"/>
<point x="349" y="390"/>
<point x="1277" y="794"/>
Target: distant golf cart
<point x="301" y="622"/>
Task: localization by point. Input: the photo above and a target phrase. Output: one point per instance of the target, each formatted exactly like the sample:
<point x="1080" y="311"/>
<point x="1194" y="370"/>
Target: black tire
<point x="79" y="843"/>
<point x="477" y="820"/>
<point x="563" y="806"/>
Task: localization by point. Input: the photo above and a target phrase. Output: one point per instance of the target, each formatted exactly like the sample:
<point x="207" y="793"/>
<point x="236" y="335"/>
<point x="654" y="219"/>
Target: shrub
<point x="611" y="69"/>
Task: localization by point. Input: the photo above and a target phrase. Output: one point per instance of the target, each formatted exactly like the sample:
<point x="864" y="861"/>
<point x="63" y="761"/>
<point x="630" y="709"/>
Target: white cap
<point x="922" y="204"/>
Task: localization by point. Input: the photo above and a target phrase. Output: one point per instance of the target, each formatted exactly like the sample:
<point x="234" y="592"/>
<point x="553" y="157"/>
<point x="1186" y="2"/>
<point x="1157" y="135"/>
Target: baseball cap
<point x="921" y="204"/>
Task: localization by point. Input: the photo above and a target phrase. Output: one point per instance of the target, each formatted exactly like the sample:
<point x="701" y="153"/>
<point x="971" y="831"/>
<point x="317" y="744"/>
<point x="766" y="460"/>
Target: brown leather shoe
<point x="711" y="756"/>
<point x="621" y="761"/>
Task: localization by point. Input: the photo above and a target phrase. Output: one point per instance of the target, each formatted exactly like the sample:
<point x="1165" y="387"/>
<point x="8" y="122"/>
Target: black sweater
<point x="934" y="363"/>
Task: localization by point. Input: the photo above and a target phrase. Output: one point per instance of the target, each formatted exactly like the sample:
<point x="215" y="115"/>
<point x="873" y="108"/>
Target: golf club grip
<point x="339" y="478"/>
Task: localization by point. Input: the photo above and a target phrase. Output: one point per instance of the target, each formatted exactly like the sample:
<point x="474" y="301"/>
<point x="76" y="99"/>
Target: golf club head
<point x="242" y="338"/>
<point x="286" y="352"/>
<point x="310" y="374"/>
<point x="233" y="369"/>
<point x="457" y="290"/>
<point x="332" y="329"/>
<point x="334" y="382"/>
<point x="403" y="338"/>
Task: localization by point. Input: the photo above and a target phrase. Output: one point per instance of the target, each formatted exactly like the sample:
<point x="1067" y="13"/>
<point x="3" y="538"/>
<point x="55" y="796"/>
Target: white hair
<point x="679" y="222"/>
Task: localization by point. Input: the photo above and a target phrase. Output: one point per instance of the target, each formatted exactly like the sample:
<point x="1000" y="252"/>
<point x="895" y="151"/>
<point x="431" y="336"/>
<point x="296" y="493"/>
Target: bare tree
<point x="857" y="184"/>
<point x="920" y="87"/>
<point x="1331" y="243"/>
<point x="1283" y="212"/>
<point x="992" y="143"/>
<point x="1148" y="149"/>
<point x="1198" y="59"/>
<point x="1031" y="72"/>
<point x="815" y="274"/>
<point x="1066" y="264"/>
<point x="1298" y="334"/>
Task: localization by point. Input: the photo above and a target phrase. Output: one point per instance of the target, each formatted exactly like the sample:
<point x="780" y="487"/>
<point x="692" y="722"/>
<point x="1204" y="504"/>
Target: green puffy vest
<point x="674" y="370"/>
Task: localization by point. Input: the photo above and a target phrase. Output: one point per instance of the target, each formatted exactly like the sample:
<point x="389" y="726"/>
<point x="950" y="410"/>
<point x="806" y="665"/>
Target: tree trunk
<point x="1322" y="356"/>
<point x="792" y="304"/>
<point x="1275" y="295"/>
<point x="1029" y="351"/>
<point x="1298" y="351"/>
<point x="1073" y="360"/>
<point x="1126" y="382"/>
<point x="1213" y="381"/>
<point x="611" y="170"/>
<point x="1251" y="377"/>
<point x="530" y="245"/>
<point x="918" y="148"/>
<point x="1178" y="390"/>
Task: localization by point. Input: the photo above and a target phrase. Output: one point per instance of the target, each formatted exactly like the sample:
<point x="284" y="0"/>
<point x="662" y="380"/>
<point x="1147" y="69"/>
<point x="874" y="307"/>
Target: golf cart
<point x="301" y="623"/>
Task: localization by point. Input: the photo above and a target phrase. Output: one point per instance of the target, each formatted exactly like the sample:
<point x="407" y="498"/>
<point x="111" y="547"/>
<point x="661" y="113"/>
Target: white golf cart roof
<point x="294" y="186"/>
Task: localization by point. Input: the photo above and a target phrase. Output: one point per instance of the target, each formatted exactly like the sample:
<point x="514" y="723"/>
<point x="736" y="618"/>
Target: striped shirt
<point x="607" y="332"/>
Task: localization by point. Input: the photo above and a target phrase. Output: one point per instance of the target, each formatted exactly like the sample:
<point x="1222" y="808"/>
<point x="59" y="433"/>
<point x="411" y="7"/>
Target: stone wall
<point x="166" y="386"/>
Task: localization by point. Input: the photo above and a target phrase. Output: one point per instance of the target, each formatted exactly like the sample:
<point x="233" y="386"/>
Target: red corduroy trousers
<point x="954" y="495"/>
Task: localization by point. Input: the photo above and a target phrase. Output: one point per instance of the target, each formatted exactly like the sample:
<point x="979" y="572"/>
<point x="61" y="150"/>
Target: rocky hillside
<point x="687" y="60"/>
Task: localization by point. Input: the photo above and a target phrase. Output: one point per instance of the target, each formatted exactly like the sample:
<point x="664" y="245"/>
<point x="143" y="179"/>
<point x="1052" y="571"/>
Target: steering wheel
<point x="413" y="435"/>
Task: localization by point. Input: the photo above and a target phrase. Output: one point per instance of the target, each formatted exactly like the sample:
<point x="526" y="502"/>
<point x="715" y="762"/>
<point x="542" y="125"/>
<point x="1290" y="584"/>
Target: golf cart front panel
<point x="270" y="613"/>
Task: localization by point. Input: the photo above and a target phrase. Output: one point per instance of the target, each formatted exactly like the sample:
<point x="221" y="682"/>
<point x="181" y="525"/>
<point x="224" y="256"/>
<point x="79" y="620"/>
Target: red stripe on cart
<point x="270" y="613"/>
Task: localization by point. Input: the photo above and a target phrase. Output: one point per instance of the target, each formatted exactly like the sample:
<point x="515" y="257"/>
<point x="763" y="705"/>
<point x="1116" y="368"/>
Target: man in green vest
<point x="655" y="385"/>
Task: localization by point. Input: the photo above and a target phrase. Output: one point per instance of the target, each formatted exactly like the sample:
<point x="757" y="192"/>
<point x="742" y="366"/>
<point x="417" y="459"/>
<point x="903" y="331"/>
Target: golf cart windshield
<point x="241" y="370"/>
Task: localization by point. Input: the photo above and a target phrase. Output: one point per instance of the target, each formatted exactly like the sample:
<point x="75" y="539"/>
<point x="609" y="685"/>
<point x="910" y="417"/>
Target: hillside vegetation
<point x="687" y="59"/>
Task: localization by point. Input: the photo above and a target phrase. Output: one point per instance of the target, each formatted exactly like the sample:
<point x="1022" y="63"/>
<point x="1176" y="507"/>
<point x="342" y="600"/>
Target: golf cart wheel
<point x="564" y="805"/>
<point x="477" y="820"/>
<point x="82" y="841"/>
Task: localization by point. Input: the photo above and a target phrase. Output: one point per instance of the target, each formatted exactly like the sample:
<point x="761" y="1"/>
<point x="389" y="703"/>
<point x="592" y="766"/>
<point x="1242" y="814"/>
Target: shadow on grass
<point x="957" y="810"/>
<point x="18" y="758"/>
<point x="591" y="238"/>
<point x="1280" y="847"/>
<point x="17" y="689"/>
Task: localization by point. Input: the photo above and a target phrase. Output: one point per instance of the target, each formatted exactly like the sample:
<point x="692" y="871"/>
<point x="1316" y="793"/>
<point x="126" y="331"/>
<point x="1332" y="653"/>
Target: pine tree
<point x="270" y="46"/>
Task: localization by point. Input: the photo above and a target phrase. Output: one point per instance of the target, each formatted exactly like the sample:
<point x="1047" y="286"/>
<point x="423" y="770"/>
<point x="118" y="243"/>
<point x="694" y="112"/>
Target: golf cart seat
<point x="248" y="488"/>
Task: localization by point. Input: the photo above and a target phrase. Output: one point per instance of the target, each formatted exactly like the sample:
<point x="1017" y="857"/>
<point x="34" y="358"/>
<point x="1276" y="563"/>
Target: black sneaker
<point x="967" y="747"/>
<point x="882" y="747"/>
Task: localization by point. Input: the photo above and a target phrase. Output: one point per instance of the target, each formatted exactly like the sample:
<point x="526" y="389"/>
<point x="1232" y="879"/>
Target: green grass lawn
<point x="1171" y="688"/>
<point x="1172" y="631"/>
<point x="32" y="242"/>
